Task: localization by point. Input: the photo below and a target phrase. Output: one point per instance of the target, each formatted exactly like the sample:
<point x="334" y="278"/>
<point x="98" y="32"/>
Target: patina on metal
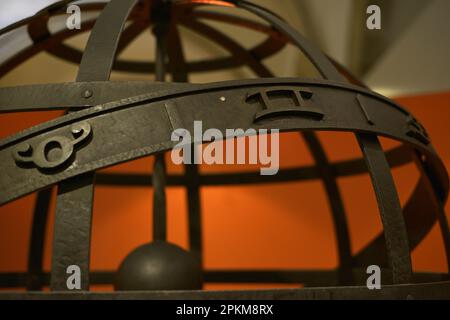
<point x="67" y="152"/>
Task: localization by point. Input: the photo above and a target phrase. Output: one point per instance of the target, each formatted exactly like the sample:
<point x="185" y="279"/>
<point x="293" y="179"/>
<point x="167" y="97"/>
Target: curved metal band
<point x="73" y="218"/>
<point x="53" y="43"/>
<point x="402" y="272"/>
<point x="42" y="40"/>
<point x="273" y="44"/>
<point x="397" y="157"/>
<point x="100" y="51"/>
<point x="68" y="53"/>
<point x="424" y="197"/>
<point x="396" y="237"/>
<point x="229" y="44"/>
<point x="182" y="106"/>
<point x="340" y="114"/>
<point x="174" y="90"/>
<point x="320" y="61"/>
<point x="313" y="143"/>
<point x="381" y="160"/>
<point x="70" y="95"/>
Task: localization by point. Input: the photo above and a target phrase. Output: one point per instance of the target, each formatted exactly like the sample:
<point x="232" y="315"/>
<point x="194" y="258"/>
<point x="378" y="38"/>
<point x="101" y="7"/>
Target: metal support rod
<point x="161" y="16"/>
<point x="180" y="74"/>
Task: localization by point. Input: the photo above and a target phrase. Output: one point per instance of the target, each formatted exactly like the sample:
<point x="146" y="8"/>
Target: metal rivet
<point x="76" y="130"/>
<point x="223" y="99"/>
<point x="87" y="94"/>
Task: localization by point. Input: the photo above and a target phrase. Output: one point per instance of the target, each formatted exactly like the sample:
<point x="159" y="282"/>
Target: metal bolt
<point x="87" y="94"/>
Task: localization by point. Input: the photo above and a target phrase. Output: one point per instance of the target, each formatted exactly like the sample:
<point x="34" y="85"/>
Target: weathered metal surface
<point x="74" y="202"/>
<point x="404" y="292"/>
<point x="395" y="233"/>
<point x="340" y="108"/>
<point x="113" y="122"/>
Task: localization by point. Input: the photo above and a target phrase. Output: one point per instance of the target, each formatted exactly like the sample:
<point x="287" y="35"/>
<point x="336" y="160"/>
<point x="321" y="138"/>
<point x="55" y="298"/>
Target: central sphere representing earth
<point x="159" y="266"/>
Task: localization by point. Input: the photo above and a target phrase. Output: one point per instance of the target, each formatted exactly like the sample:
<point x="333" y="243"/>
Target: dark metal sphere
<point x="159" y="266"/>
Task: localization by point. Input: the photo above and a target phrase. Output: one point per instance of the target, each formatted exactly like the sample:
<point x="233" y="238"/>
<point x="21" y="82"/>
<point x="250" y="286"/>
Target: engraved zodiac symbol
<point x="299" y="105"/>
<point x="53" y="151"/>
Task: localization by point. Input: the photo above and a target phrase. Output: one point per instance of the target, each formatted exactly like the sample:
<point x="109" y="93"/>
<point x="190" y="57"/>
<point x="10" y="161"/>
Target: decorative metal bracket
<point x="294" y="98"/>
<point x="44" y="156"/>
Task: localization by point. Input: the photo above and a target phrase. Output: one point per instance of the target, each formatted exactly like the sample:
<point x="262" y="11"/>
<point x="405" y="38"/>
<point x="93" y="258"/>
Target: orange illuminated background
<point x="281" y="226"/>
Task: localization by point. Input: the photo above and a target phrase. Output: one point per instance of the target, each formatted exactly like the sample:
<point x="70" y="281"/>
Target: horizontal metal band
<point x="74" y="95"/>
<point x="153" y="117"/>
<point x="396" y="157"/>
<point x="307" y="277"/>
<point x="134" y="127"/>
<point x="409" y="291"/>
<point x="44" y="40"/>
<point x="13" y="99"/>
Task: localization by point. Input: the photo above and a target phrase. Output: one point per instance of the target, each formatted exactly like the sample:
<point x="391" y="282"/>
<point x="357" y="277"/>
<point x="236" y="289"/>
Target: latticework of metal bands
<point x="155" y="109"/>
